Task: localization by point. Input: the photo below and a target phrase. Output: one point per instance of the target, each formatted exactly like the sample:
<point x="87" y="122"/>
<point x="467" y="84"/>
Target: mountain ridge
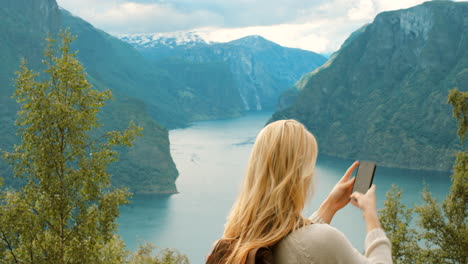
<point x="261" y="69"/>
<point x="167" y="39"/>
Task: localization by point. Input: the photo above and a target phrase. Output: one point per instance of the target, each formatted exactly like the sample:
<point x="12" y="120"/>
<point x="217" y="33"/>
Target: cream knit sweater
<point x="321" y="243"/>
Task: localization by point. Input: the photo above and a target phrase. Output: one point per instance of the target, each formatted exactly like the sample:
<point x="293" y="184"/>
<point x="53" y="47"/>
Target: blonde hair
<point x="275" y="188"/>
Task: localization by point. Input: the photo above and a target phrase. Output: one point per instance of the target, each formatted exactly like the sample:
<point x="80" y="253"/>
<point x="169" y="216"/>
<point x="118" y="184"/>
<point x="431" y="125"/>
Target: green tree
<point x="145" y="255"/>
<point x="395" y="220"/>
<point x="66" y="210"/>
<point x="459" y="102"/>
<point x="442" y="226"/>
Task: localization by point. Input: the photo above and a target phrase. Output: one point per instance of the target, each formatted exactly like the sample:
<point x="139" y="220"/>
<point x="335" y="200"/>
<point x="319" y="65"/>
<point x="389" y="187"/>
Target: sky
<point x="316" y="25"/>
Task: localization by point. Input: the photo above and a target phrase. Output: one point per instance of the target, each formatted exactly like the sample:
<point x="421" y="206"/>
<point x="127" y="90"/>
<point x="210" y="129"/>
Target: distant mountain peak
<point x="171" y="39"/>
<point x="188" y="39"/>
<point x="253" y="40"/>
<point x="255" y="37"/>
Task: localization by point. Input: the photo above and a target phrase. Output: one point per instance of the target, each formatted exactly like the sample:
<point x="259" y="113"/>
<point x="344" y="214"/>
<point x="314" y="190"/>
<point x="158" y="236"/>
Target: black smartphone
<point x="364" y="176"/>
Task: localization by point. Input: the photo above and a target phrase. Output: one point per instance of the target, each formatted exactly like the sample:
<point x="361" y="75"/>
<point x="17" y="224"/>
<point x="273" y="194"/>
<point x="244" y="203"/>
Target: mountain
<point x="383" y="95"/>
<point x="115" y="64"/>
<point x="169" y="40"/>
<point x="110" y="63"/>
<point x="261" y="69"/>
<point x="172" y="98"/>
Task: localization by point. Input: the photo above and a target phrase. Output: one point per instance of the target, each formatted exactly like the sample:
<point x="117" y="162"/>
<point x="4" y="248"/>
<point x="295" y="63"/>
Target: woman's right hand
<point x="367" y="203"/>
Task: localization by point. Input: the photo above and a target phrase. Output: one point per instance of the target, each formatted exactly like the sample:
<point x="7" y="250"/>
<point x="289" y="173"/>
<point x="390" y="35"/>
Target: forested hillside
<point x="383" y="95"/>
<point x="24" y="25"/>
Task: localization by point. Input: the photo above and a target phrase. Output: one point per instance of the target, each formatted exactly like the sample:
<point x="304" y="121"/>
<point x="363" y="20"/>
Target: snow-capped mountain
<point x="172" y="39"/>
<point x="261" y="69"/>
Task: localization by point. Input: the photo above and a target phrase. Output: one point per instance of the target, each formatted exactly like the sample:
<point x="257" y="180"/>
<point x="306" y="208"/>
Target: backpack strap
<point x="223" y="247"/>
<point x="263" y="255"/>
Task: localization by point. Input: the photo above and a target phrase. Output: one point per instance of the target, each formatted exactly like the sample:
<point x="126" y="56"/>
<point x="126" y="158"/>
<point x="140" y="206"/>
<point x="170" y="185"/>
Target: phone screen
<point x="364" y="176"/>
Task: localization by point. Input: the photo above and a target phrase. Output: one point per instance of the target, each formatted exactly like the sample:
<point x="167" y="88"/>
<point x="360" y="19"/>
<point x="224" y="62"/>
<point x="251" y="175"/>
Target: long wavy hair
<point x="276" y="186"/>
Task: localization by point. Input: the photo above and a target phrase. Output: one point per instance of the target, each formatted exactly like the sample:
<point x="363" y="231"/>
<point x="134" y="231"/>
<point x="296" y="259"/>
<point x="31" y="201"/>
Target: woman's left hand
<point x="339" y="197"/>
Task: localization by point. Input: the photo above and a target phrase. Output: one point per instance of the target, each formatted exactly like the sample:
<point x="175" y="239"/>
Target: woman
<point x="268" y="212"/>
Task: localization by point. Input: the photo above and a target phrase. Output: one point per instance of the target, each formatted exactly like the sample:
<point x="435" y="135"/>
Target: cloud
<point x="396" y="4"/>
<point x="309" y="36"/>
<point x="148" y="18"/>
<point x="365" y="9"/>
<point x="319" y="25"/>
<point x="119" y="17"/>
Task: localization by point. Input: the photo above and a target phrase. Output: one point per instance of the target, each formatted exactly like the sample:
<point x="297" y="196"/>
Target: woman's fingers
<point x="355" y="196"/>
<point x="350" y="170"/>
<point x="366" y="201"/>
<point x="350" y="182"/>
<point x="347" y="186"/>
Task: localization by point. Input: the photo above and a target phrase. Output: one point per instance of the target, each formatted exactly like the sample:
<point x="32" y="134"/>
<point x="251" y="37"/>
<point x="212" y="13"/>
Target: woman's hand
<point x="339" y="196"/>
<point x="367" y="203"/>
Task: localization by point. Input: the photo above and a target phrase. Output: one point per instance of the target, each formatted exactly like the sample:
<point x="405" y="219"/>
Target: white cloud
<point x="148" y="18"/>
<point x="318" y="25"/>
<point x="118" y="17"/>
<point x="396" y="4"/>
<point x="364" y="9"/>
<point x="301" y="36"/>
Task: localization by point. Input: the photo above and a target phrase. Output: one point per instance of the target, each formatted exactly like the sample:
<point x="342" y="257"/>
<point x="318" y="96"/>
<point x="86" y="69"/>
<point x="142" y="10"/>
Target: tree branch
<point x="10" y="248"/>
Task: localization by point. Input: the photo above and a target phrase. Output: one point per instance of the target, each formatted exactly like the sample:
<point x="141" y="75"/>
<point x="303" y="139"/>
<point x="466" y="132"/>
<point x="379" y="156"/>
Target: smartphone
<point x="364" y="176"/>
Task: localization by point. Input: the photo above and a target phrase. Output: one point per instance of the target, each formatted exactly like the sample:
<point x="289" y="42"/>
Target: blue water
<point x="211" y="158"/>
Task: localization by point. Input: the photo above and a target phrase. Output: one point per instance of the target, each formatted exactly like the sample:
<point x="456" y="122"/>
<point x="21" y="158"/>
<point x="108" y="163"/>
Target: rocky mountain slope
<point x="383" y="95"/>
<point x="261" y="69"/>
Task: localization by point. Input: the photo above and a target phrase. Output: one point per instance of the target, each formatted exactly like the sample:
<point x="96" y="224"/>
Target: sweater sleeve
<point x="322" y="243"/>
<point x="316" y="219"/>
<point x="378" y="247"/>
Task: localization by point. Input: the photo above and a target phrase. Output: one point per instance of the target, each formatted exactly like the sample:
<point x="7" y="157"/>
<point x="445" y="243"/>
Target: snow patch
<point x="170" y="39"/>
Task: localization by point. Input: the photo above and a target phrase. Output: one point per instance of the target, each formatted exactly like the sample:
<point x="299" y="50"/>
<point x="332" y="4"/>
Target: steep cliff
<point x="383" y="95"/>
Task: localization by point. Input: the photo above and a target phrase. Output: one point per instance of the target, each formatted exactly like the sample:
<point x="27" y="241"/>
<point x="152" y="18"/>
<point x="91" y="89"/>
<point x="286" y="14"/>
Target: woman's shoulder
<point x="314" y="233"/>
<point x="309" y="242"/>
